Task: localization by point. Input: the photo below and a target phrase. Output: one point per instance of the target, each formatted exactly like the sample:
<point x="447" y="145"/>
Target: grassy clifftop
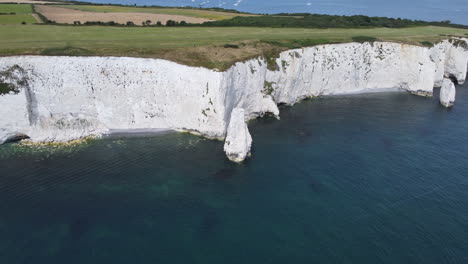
<point x="210" y="47"/>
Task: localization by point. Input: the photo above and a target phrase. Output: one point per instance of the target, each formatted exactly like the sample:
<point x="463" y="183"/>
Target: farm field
<point x="205" y="14"/>
<point x="25" y="2"/>
<point x="16" y="19"/>
<point x="69" y="16"/>
<point x="16" y="14"/>
<point x="196" y="46"/>
<point x="15" y="8"/>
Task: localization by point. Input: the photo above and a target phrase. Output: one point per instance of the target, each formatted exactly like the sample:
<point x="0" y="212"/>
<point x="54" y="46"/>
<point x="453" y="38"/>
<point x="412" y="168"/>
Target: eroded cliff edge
<point x="65" y="98"/>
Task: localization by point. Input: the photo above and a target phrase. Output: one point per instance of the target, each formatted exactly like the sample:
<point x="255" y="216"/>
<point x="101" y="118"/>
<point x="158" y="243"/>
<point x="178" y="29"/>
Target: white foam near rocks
<point x="447" y="93"/>
<point x="66" y="98"/>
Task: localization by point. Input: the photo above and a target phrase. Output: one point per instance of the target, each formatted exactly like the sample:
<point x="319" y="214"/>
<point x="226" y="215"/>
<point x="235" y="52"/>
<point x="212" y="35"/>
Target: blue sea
<point x="367" y="178"/>
<point x="429" y="10"/>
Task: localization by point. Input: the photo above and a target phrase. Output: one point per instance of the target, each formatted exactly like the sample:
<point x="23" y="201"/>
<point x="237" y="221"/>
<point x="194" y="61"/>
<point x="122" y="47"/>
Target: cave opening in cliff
<point x="453" y="79"/>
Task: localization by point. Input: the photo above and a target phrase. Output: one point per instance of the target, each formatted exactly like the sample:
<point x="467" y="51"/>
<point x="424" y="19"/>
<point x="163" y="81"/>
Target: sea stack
<point x="238" y="140"/>
<point x="447" y="93"/>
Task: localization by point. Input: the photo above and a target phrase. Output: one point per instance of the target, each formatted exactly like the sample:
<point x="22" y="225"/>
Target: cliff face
<point x="72" y="97"/>
<point x="450" y="58"/>
<point x="330" y="69"/>
<point x="65" y="98"/>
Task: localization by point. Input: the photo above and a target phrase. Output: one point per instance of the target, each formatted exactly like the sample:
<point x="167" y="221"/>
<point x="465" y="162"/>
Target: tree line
<point x="147" y="23"/>
<point x="306" y="20"/>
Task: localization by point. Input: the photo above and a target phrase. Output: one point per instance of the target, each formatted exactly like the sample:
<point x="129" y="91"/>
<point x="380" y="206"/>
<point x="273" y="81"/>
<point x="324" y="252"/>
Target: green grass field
<point x="214" y="15"/>
<point x="113" y="39"/>
<point x="16" y="19"/>
<point x="190" y="45"/>
<point x="15" y="8"/>
<point x="23" y="13"/>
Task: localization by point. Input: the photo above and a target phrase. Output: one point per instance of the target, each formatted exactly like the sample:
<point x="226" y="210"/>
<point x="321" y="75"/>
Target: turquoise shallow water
<point x="370" y="178"/>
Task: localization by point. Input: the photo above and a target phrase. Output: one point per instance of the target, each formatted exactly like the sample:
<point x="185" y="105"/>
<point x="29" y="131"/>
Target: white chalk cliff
<point x="447" y="93"/>
<point x="66" y="98"/>
<point x="238" y="140"/>
<point x="450" y="58"/>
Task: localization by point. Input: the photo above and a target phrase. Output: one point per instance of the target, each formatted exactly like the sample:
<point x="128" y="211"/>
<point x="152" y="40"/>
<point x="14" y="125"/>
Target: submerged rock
<point x="447" y="93"/>
<point x="238" y="140"/>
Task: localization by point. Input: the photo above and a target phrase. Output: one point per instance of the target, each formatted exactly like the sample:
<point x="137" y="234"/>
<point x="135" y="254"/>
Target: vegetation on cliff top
<point x="195" y="46"/>
<point x="216" y="44"/>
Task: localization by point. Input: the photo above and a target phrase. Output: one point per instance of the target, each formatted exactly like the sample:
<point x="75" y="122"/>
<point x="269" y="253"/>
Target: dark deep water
<point x="430" y="10"/>
<point x="374" y="178"/>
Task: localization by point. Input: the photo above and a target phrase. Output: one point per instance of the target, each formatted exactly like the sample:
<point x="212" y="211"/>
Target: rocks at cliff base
<point x="8" y="136"/>
<point x="447" y="93"/>
<point x="238" y="140"/>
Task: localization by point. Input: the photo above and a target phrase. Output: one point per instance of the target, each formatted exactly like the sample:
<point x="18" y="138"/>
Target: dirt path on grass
<point x="38" y="19"/>
<point x="66" y="15"/>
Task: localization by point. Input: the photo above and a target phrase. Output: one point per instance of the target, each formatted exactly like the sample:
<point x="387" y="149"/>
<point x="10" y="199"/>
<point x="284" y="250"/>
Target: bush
<point x="100" y="23"/>
<point x="270" y="57"/>
<point x="6" y="88"/>
<point x="159" y="24"/>
<point x="67" y="51"/>
<point x="171" y="23"/>
<point x="299" y="43"/>
<point x="427" y="44"/>
<point x="231" y="46"/>
<point x="362" y="39"/>
<point x="459" y="43"/>
<point x="130" y="23"/>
